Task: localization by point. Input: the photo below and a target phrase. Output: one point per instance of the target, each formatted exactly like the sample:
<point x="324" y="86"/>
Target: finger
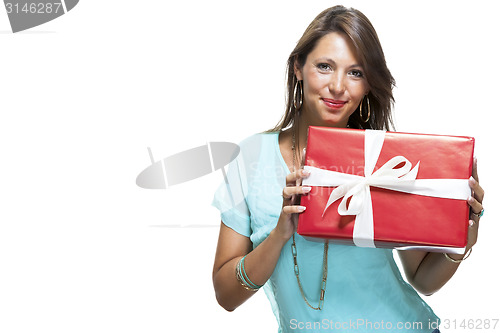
<point x="474" y="169"/>
<point x="293" y="209"/>
<point x="476" y="208"/>
<point x="473" y="224"/>
<point x="290" y="191"/>
<point x="476" y="189"/>
<point x="475" y="205"/>
<point x="472" y="233"/>
<point x="293" y="177"/>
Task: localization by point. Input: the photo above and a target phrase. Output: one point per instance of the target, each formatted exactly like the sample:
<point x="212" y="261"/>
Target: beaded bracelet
<point x="244" y="280"/>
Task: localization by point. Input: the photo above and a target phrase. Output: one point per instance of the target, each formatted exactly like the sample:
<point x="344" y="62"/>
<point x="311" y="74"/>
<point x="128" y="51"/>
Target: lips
<point x="334" y="104"/>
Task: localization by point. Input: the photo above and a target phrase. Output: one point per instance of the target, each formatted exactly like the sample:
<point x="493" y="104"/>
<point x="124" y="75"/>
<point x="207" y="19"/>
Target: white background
<point x="83" y="249"/>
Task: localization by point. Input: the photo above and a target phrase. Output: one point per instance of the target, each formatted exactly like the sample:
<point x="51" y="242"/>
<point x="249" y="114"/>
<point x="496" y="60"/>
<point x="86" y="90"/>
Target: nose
<point x="337" y="84"/>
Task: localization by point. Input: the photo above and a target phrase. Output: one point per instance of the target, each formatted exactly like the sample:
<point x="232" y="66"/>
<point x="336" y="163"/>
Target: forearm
<point x="259" y="266"/>
<point x="434" y="272"/>
<point x="428" y="272"/>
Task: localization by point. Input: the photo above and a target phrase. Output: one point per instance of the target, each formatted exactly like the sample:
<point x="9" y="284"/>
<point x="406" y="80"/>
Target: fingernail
<point x="471" y="223"/>
<point x="472" y="180"/>
<point x="301" y="208"/>
<point x="470" y="199"/>
<point x="306" y="189"/>
<point x="306" y="172"/>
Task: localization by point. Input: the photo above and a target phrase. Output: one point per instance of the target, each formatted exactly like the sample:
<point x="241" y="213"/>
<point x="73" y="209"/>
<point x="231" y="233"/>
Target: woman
<point x="337" y="77"/>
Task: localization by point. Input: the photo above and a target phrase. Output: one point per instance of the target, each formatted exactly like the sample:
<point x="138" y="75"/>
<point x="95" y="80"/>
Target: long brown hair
<point x="356" y="26"/>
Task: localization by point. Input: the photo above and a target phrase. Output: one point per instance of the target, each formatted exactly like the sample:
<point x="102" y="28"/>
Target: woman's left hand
<point x="476" y="207"/>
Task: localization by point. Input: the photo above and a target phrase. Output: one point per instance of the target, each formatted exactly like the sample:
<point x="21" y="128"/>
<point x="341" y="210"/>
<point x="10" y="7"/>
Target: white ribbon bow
<point x="402" y="179"/>
<point x="359" y="189"/>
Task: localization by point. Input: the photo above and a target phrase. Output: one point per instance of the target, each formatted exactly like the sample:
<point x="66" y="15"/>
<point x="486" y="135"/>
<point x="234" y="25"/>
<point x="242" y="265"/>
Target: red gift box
<point x="387" y="189"/>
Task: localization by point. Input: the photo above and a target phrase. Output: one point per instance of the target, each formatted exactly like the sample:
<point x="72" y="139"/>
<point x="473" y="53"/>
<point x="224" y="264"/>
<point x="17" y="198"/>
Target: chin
<point x="335" y="122"/>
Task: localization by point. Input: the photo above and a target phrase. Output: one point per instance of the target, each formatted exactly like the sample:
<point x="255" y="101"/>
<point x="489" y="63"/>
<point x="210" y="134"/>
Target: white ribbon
<point x="357" y="188"/>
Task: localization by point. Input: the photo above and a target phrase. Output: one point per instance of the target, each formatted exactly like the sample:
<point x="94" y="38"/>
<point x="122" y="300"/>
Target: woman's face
<point x="333" y="81"/>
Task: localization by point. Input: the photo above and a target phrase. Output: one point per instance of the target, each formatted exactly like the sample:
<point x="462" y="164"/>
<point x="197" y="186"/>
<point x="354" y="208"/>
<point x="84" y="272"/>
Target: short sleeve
<point x="230" y="200"/>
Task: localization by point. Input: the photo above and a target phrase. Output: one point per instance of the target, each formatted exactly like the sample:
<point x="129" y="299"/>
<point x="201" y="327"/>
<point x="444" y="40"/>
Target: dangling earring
<point x="361" y="109"/>
<point x="297" y="104"/>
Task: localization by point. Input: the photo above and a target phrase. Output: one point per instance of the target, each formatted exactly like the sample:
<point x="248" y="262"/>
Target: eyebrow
<point x="333" y="61"/>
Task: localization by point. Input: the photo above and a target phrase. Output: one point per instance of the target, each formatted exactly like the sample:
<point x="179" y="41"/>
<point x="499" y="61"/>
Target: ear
<point x="297" y="70"/>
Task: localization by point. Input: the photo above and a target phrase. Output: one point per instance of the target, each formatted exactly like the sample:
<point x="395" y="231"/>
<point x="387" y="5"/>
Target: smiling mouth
<point x="334" y="104"/>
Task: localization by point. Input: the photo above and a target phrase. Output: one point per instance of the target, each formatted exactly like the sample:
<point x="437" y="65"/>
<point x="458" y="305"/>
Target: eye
<point x="324" y="67"/>
<point x="356" y="73"/>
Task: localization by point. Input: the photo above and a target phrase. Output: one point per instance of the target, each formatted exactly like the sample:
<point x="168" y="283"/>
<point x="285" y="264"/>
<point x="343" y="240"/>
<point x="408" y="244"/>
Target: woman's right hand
<point x="287" y="223"/>
<point x="260" y="261"/>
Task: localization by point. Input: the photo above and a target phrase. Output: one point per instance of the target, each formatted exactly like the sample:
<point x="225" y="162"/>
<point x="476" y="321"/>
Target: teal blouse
<point x="365" y="291"/>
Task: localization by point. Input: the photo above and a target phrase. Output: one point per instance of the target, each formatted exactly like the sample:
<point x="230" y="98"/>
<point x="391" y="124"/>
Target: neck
<point x="302" y="128"/>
